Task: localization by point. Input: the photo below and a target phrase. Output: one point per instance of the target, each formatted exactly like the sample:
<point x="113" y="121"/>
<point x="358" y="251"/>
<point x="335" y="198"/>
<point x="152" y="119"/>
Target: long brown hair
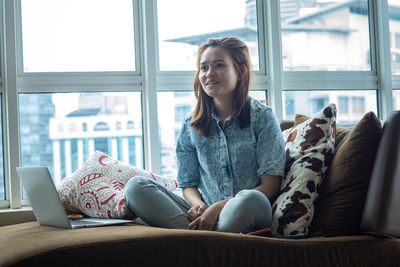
<point x="239" y="54"/>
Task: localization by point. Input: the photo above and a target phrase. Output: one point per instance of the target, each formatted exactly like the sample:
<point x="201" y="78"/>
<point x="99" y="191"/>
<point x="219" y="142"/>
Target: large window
<point x="66" y="51"/>
<point x="85" y="75"/>
<point x="182" y="33"/>
<point x="62" y="130"/>
<point x="325" y="35"/>
<point x="77" y="35"/>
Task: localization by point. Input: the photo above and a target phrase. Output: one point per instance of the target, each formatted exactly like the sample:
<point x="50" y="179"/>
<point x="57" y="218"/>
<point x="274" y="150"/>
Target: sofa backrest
<point x="286" y="124"/>
<point x="381" y="210"/>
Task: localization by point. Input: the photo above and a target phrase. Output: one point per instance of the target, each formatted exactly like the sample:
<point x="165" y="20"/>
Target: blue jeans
<point x="248" y="211"/>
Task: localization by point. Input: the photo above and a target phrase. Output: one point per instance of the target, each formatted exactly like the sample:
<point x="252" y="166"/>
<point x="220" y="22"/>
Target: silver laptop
<point x="46" y="203"/>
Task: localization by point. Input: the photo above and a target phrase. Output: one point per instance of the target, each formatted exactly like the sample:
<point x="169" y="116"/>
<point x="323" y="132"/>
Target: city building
<point x="102" y="122"/>
<point x="35" y="114"/>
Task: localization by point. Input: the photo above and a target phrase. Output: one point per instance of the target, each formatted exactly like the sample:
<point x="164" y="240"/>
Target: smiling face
<point x="218" y="75"/>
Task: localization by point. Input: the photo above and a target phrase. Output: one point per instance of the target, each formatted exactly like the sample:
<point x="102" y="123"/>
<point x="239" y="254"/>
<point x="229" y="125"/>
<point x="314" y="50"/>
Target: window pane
<point x="170" y="119"/>
<point x="172" y="109"/>
<point x="351" y="105"/>
<point x="77" y="35"/>
<point x="259" y="95"/>
<point x="61" y="130"/>
<point x="396" y="99"/>
<point x="394" y="27"/>
<point x="194" y="22"/>
<point x="325" y="35"/>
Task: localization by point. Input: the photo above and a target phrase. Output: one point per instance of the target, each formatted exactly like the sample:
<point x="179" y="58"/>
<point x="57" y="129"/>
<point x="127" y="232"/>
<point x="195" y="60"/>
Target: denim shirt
<point x="230" y="159"/>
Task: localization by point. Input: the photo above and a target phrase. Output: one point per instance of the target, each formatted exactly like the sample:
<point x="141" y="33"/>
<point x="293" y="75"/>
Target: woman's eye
<point x="220" y="66"/>
<point x="203" y="68"/>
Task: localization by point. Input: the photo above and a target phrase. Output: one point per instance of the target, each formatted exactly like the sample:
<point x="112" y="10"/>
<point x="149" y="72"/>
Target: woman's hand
<point x="196" y="211"/>
<point x="208" y="219"/>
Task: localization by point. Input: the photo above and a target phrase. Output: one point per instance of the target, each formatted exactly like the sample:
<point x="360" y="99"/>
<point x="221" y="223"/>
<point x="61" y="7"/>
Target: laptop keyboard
<point x="82" y="223"/>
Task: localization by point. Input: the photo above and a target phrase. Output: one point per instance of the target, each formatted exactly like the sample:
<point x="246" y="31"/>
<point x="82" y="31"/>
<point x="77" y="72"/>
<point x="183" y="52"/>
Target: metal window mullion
<point x="18" y="36"/>
<point x="78" y="82"/>
<point x="148" y="31"/>
<point x="325" y="80"/>
<point x="272" y="22"/>
<point x="262" y="45"/>
<point x="183" y="81"/>
<point x="380" y="23"/>
<point x="137" y="38"/>
<point x="10" y="110"/>
<point x="175" y="81"/>
<point x="3" y="203"/>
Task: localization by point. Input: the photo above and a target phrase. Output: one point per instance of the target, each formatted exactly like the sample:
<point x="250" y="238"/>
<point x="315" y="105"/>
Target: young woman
<point x="230" y="153"/>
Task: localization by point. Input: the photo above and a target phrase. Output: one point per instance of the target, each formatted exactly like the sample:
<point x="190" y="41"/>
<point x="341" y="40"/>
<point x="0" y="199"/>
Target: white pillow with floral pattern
<point x="97" y="189"/>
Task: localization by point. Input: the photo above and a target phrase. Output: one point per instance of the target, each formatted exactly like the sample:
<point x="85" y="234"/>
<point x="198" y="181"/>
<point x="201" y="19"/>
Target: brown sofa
<point x="337" y="234"/>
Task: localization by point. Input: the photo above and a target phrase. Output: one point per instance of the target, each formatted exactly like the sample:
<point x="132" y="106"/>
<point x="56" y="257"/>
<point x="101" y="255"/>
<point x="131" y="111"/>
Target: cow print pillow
<point x="309" y="149"/>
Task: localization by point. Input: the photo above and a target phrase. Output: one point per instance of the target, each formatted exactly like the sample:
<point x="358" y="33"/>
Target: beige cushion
<point x="29" y="244"/>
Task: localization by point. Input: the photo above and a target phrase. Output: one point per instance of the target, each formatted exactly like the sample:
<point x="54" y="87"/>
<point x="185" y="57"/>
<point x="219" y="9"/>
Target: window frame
<point x="395" y="78"/>
<point x="3" y="203"/>
<point x="148" y="79"/>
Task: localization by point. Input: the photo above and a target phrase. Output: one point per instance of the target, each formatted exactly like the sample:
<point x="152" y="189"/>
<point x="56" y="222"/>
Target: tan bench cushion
<point x="30" y="244"/>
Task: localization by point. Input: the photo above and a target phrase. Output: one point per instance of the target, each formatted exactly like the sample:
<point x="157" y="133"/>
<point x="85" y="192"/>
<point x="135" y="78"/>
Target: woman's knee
<point x="249" y="210"/>
<point x="135" y="188"/>
<point x="250" y="200"/>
